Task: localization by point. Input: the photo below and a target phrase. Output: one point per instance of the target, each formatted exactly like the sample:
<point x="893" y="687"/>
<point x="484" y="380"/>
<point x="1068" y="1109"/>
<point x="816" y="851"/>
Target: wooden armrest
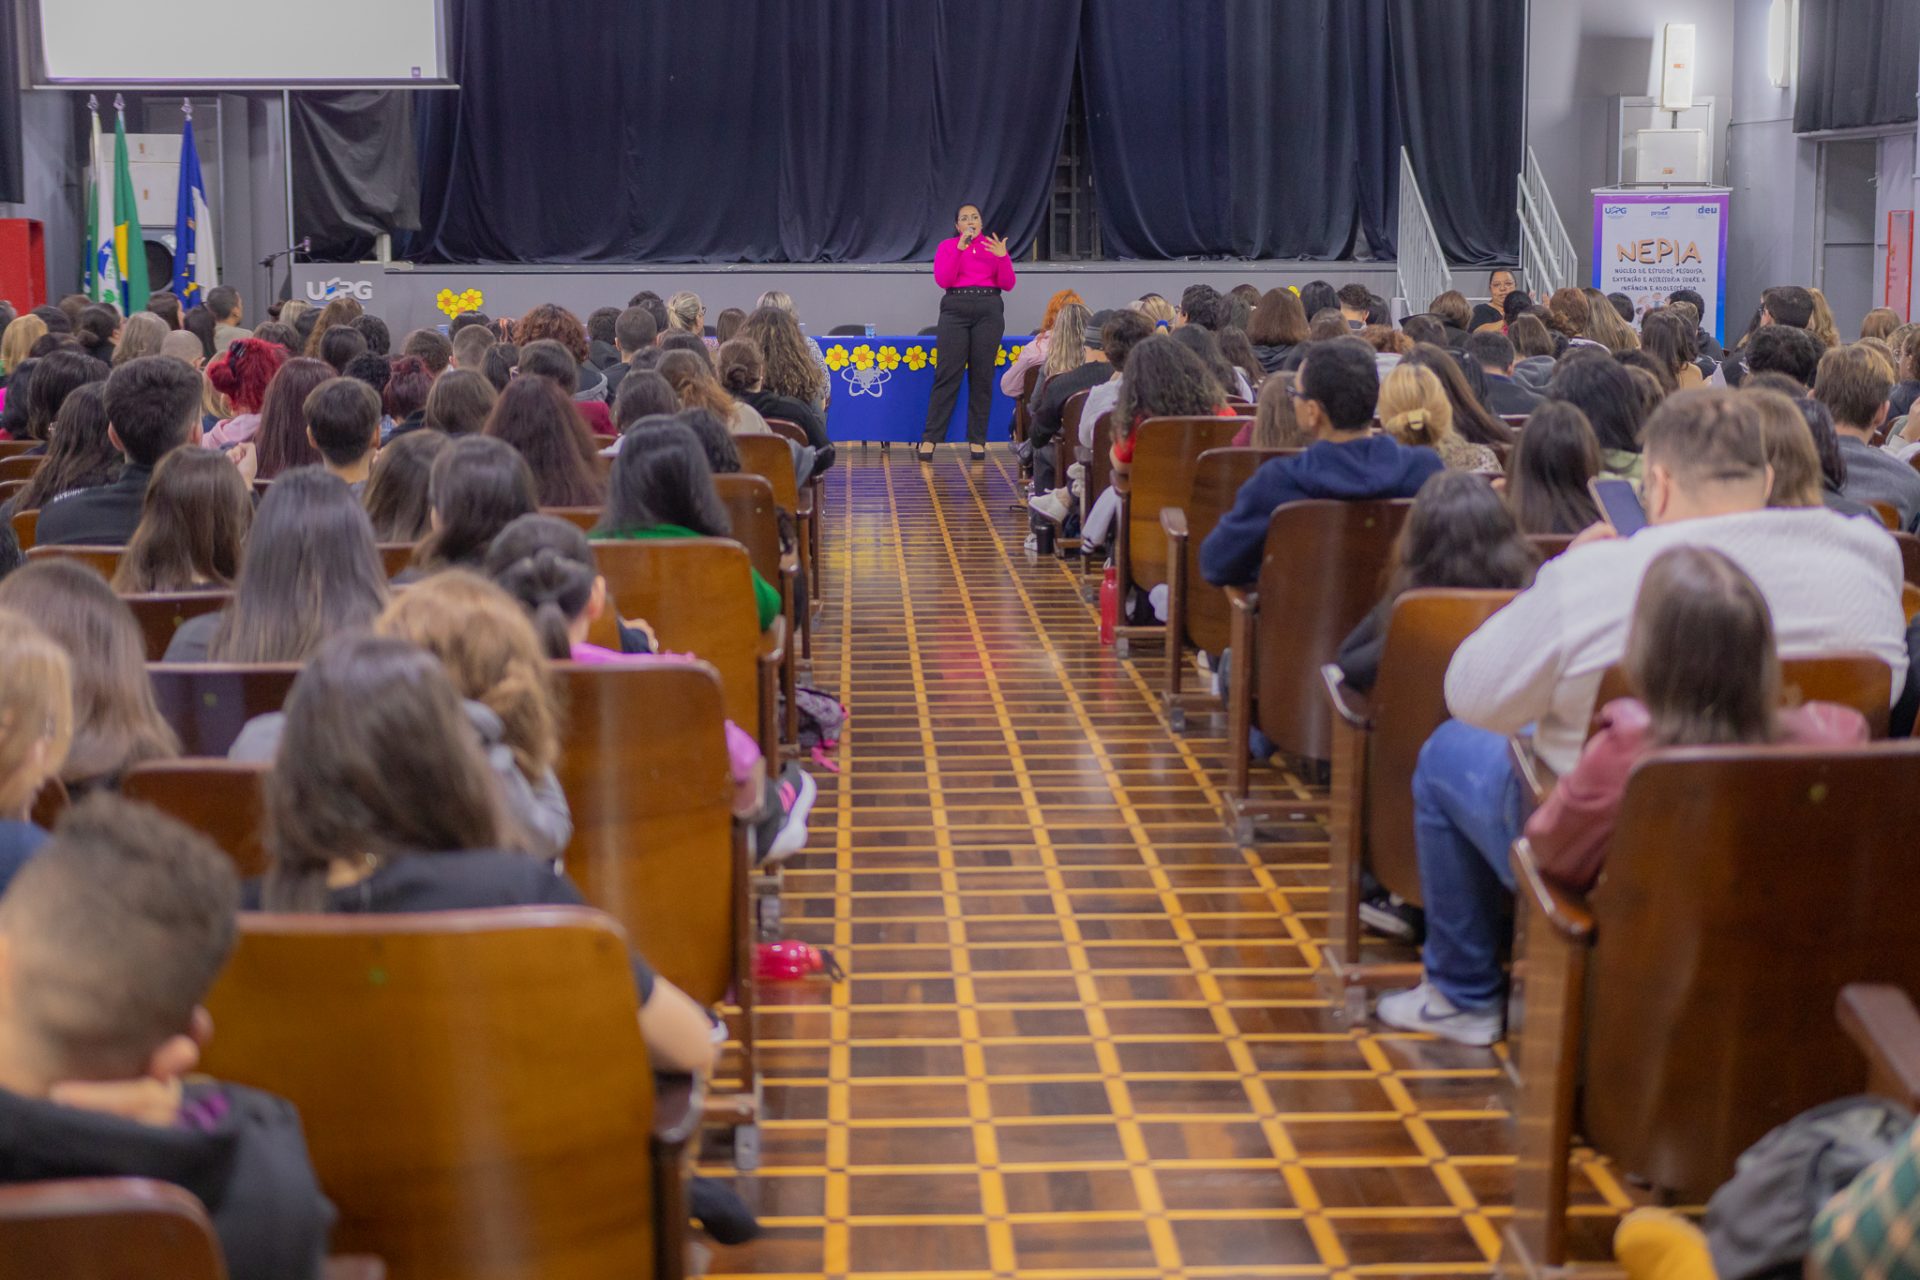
<point x="1565" y="911"/>
<point x="1174" y="521"/>
<point x="1883" y="1022"/>
<point x="773" y="643"/>
<point x="1243" y="599"/>
<point x="679" y="1102"/>
<point x="353" y="1266"/>
<point x="1535" y="775"/>
<point x="1338" y="696"/>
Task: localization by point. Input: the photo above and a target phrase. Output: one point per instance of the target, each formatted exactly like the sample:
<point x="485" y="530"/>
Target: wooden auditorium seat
<point x="1909" y="555"/>
<point x="9" y="489"/>
<point x="582" y="518"/>
<point x="1684" y="1008"/>
<point x="14" y="448"/>
<point x="755" y="521"/>
<point x="20" y="467"/>
<point x="769" y="457"/>
<point x="1858" y="680"/>
<point x="473" y="1085"/>
<point x="1546" y="546"/>
<point x="25" y="523"/>
<point x="224" y="800"/>
<point x="103" y="560"/>
<point x="1197" y="611"/>
<point x="1166" y="453"/>
<point x="816" y="493"/>
<point x="1376" y="743"/>
<point x="208" y="703"/>
<point x="160" y="614"/>
<point x="106" y="1229"/>
<point x="396" y="557"/>
<point x="1882" y="1021"/>
<point x="1319" y="576"/>
<point x="697" y="594"/>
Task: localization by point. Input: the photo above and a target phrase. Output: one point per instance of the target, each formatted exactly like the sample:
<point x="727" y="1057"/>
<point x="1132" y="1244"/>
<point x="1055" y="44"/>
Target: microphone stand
<point x="304" y="247"/>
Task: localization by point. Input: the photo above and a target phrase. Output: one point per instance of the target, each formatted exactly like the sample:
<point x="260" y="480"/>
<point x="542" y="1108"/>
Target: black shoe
<point x="1389" y="917"/>
<point x="978" y="452"/>
<point x="926" y="453"/>
<point x="718" y="1209"/>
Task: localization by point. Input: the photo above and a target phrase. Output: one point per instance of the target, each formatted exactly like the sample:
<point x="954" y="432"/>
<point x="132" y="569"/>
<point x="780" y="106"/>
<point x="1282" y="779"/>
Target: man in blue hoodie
<point x="1334" y="397"/>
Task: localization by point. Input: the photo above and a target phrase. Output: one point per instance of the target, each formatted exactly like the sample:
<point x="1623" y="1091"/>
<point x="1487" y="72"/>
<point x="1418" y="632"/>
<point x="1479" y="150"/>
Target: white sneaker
<point x="1077" y="471"/>
<point x="1157" y="598"/>
<point x="1049" y="506"/>
<point x="1031" y="544"/>
<point x="1424" y="1008"/>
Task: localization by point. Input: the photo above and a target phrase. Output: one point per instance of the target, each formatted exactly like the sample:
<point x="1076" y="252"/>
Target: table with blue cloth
<point x="881" y="386"/>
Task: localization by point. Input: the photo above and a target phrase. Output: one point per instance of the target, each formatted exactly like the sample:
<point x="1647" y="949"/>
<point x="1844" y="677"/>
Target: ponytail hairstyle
<point x="547" y="564"/>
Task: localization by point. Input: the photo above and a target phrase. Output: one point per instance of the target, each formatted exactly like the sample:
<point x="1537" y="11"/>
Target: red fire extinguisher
<point x="1109" y="605"/>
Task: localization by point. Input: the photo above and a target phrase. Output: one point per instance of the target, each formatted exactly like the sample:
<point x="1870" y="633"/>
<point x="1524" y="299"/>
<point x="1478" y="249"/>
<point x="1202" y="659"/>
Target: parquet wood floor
<point x="1079" y="1037"/>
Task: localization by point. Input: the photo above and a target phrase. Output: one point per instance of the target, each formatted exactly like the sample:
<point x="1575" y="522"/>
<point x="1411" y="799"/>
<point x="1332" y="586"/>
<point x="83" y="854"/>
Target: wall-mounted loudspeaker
<point x="1676" y="67"/>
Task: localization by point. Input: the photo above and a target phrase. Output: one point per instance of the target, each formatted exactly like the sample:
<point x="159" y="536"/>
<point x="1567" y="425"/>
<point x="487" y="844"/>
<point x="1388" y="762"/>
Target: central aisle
<point x="1080" y="1036"/>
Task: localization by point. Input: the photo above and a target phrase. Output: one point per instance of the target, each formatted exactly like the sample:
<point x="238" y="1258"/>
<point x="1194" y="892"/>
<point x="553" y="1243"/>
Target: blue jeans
<point x="1466" y="814"/>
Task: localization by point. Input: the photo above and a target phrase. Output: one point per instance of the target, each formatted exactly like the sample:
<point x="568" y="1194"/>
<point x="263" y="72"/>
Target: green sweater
<point x="766" y="597"/>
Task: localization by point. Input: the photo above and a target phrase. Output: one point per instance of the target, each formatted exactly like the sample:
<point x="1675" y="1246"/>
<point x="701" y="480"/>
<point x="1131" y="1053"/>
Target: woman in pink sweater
<point x="974" y="270"/>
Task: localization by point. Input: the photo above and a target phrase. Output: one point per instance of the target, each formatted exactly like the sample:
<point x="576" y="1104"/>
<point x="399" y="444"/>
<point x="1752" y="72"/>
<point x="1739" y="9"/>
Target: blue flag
<point x="195" y="270"/>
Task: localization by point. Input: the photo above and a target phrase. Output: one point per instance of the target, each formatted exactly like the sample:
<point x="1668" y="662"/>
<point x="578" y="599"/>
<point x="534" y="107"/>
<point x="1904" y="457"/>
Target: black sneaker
<point x="720" y="1210"/>
<point x="1388" y="917"/>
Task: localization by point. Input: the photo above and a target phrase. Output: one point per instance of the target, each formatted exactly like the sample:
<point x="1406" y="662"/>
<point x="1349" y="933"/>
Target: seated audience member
<point x="282" y="443"/>
<point x="726" y="325"/>
<point x="795" y="366"/>
<point x="409" y="385"/>
<point x="1204" y="344"/>
<point x="116" y="722"/>
<point x="692" y="380"/>
<point x="57" y="376"/>
<point x="342" y="343"/>
<point x="1606" y="393"/>
<point x="1334" y="394"/>
<point x="550" y="360"/>
<point x="1833" y="584"/>
<point x="587" y="386"/>
<point x="1161" y="314"/>
<point x="478" y="486"/>
<point x="1500" y="283"/>
<point x="193" y="529"/>
<point x="339" y="310"/>
<point x="503" y="362"/>
<point x="663" y="488"/>
<point x="374" y="330"/>
<point x="1459" y="534"/>
<point x="431" y="347"/>
<point x="1356" y="302"/>
<point x="469" y="320"/>
<point x="1853" y="385"/>
<point x="1906" y="390"/>
<point x="36" y="729"/>
<point x="1274" y="425"/>
<point x="1322" y="326"/>
<point x="1495" y="354"/>
<point x="153" y="407"/>
<point x="1516" y="305"/>
<point x="643" y="394"/>
<point x="1547" y="476"/>
<point x="1199" y="304"/>
<point x="1879" y="323"/>
<point x="1461" y="379"/>
<point x="1066" y="347"/>
<point x="1822" y="325"/>
<point x="1534" y="350"/>
<point x="1703" y="341"/>
<point x="470" y="348"/>
<point x="311" y="570"/>
<point x="536" y="418"/>
<point x="80" y="456"/>
<point x="547" y="565"/>
<point x="1667" y="337"/>
<point x="1424" y="328"/>
<point x="109" y="940"/>
<point x="396" y="493"/>
<point x="692" y="343"/>
<point x="140" y="335"/>
<point x="601" y="352"/>
<point x="743" y="372"/>
<point x="13" y="417"/>
<point x="1653" y="377"/>
<point x="1091" y="370"/>
<point x="17" y="339"/>
<point x="1622" y="306"/>
<point x="184" y="347"/>
<point x="460" y="401"/>
<point x="723" y="455"/>
<point x="656" y="306"/>
<point x="1414" y="409"/>
<point x="1785" y="307"/>
<point x="1034" y="353"/>
<point x="343" y="423"/>
<point x="1119" y="335"/>
<point x="98" y="329"/>
<point x="1797" y="477"/>
<point x="633" y="333"/>
<point x="226" y="308"/>
<point x="1455" y="316"/>
<point x="376" y="372"/>
<point x="361" y="820"/>
<point x="1279" y="325"/>
<point x="279" y="335"/>
<point x="686" y="313"/>
<point x="1605" y="326"/>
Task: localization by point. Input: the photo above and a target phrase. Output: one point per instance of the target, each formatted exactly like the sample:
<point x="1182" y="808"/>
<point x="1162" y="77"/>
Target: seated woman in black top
<point x="381" y="801"/>
<point x="743" y="372"/>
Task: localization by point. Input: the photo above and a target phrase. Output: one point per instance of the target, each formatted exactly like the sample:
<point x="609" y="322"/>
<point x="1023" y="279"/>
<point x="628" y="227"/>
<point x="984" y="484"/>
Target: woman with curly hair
<point x="550" y="322"/>
<point x="792" y="366"/>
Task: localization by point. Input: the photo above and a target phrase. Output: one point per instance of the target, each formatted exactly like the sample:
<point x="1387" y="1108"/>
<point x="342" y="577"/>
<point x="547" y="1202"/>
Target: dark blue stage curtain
<point x="1240" y="128"/>
<point x="743" y="131"/>
<point x="1857" y="67"/>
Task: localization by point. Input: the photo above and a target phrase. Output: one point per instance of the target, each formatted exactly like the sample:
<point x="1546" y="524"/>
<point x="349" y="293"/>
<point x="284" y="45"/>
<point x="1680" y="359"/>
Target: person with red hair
<point x="241" y="374"/>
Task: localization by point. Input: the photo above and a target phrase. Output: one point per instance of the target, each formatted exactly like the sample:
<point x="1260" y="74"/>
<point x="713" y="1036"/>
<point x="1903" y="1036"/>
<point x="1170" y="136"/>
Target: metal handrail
<point x="1547" y="254"/>
<point x="1421" y="273"/>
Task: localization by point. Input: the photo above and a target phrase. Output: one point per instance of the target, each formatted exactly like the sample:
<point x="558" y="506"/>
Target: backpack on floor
<point x="822" y="717"/>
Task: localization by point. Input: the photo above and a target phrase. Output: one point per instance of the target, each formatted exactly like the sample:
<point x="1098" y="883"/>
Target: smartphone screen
<point x="1619" y="504"/>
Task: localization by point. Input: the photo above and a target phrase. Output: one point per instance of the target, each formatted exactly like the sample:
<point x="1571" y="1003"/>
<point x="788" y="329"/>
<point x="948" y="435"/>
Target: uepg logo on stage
<point x="327" y="290"/>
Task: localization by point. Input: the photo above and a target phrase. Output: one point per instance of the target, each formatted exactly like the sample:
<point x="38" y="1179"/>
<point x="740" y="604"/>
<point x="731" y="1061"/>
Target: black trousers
<point x="971" y="326"/>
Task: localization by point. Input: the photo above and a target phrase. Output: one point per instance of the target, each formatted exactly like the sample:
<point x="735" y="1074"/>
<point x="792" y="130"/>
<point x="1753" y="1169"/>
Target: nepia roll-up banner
<point x="1646" y="244"/>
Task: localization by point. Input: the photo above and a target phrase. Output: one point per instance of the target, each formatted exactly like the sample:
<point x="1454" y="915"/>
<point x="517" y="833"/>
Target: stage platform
<point x="895" y="298"/>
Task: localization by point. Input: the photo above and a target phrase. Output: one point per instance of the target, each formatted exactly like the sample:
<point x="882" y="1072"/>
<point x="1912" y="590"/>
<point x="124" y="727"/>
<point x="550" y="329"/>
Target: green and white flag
<point x="103" y="261"/>
<point x="130" y="247"/>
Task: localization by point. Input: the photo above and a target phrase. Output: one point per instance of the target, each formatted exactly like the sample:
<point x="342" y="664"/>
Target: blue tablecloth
<point x="881" y="386"/>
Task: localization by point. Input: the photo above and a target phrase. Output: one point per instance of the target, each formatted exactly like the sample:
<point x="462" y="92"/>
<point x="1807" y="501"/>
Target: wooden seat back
<point x="770" y="458"/>
<point x="1724" y="863"/>
<point x="1022" y="416"/>
<point x="208" y="703"/>
<point x="583" y="518"/>
<point x="755" y="518"/>
<point x="473" y="1084"/>
<point x="1166" y="457"/>
<point x="644" y="765"/>
<point x="1100" y="465"/>
<point x="20" y="466"/>
<point x="1408" y="703"/>
<point x="396" y="557"/>
<point x="1909" y="554"/>
<point x="9" y="488"/>
<point x="14" y="448"/>
<point x="1068" y="440"/>
<point x="788" y="430"/>
<point x="1548" y="545"/>
<point x="106" y="1229"/>
<point x="160" y="614"/>
<point x="1857" y="680"/>
<point x="102" y="559"/>
<point x="1321" y="572"/>
<point x="25" y="525"/>
<point x="1218" y="475"/>
<point x="224" y="800"/>
<point x="697" y="594"/>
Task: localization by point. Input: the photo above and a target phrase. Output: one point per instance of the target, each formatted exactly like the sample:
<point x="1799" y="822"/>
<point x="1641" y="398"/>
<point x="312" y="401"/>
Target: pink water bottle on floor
<point x="1109" y="605"/>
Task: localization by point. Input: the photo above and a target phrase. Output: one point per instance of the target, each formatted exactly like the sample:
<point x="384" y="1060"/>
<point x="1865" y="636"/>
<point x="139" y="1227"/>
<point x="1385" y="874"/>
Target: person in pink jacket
<point x="975" y="270"/>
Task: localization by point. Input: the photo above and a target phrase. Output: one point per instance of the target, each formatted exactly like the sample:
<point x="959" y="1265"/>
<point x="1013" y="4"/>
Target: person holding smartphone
<point x="975" y="270"/>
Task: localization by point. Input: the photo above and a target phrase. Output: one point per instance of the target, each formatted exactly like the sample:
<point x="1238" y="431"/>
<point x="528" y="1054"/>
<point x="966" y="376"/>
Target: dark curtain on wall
<point x="1859" y="64"/>
<point x="356" y="172"/>
<point x="755" y="131"/>
<point x="13" y="174"/>
<point x="1247" y="129"/>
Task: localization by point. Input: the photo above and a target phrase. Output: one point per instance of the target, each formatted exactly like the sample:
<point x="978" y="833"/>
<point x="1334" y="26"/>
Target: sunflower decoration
<point x="1001" y="356"/>
<point x="933" y="357"/>
<point x="837" y="358"/>
<point x="916" y="358"/>
<point x="863" y="356"/>
<point x="452" y="304"/>
<point x="1014" y="354"/>
<point x="889" y="359"/>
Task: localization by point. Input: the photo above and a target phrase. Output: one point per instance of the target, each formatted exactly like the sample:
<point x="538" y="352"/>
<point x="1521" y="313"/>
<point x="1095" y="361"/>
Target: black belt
<point x="973" y="291"/>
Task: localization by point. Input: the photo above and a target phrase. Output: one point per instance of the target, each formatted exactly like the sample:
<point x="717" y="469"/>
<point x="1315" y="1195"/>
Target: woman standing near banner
<point x="974" y="270"/>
